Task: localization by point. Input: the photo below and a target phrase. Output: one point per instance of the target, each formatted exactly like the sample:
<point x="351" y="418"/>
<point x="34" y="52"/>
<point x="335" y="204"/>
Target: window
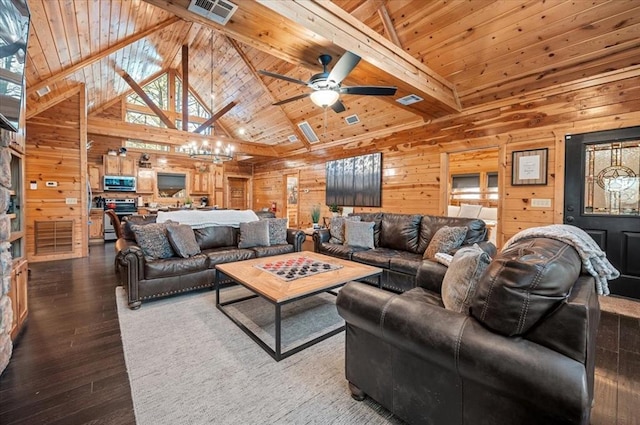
<point x="146" y="146"/>
<point x="479" y="187"/>
<point x="171" y="185"/>
<point x="158" y="92"/>
<point x="144" y="119"/>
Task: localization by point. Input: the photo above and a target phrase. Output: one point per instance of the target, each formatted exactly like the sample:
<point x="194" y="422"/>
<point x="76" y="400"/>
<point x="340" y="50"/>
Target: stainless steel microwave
<point x="119" y="184"/>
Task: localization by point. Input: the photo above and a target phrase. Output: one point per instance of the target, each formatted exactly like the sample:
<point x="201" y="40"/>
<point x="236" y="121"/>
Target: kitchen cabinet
<point x="116" y="165"/>
<point x="95" y="178"/>
<point x="96" y="225"/>
<point x="18" y="295"/>
<point x="200" y="183"/>
<point x="146" y="181"/>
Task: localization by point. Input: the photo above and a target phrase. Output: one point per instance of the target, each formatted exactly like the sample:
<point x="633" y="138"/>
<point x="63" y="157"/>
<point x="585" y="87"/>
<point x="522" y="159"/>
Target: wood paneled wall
<point x="415" y="161"/>
<point x="55" y="152"/>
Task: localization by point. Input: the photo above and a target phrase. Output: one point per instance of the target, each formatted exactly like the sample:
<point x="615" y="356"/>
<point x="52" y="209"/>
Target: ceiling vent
<point x="308" y="132"/>
<point x="293" y="138"/>
<point x="218" y="11"/>
<point x="409" y="99"/>
<point x="352" y="119"/>
<point x="43" y="91"/>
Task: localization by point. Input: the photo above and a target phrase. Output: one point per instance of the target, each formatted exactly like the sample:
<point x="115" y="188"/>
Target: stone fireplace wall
<point x="6" y="309"/>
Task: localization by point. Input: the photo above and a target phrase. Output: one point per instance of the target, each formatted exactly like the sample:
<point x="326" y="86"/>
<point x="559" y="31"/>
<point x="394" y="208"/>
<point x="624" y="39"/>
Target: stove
<point x="122" y="208"/>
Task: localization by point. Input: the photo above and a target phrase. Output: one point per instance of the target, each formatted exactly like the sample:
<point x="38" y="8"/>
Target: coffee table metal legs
<point x="275" y="352"/>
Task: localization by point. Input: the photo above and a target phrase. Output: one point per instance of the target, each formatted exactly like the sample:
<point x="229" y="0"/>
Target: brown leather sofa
<point x="399" y="244"/>
<point x="524" y="355"/>
<point x="144" y="280"/>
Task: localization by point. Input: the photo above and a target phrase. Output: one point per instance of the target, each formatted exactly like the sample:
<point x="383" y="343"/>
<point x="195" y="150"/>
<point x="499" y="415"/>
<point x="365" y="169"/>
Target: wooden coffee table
<point x="280" y="292"/>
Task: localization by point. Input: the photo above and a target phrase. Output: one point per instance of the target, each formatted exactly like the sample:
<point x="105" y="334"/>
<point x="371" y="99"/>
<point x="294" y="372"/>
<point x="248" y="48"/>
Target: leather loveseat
<point x="522" y="354"/>
<point x="400" y="241"/>
<point x="144" y="280"/>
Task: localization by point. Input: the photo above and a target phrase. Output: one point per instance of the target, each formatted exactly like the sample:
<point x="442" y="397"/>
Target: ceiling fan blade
<point x="343" y="67"/>
<point x="338" y="107"/>
<point x="291" y="99"/>
<point x="282" y="77"/>
<point x="370" y="90"/>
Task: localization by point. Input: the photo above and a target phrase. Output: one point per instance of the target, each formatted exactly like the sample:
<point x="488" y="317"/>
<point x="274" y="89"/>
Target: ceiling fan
<point x="326" y="86"/>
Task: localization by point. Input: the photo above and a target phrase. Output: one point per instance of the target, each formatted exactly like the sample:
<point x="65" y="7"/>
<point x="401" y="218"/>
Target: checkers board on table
<point x="297" y="267"/>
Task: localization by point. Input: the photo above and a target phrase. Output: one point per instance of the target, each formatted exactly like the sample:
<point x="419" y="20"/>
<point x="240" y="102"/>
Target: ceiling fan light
<point x="324" y="98"/>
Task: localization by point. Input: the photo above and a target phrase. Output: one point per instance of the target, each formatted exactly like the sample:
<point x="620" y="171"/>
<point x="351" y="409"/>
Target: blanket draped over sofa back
<point x="199" y="219"/>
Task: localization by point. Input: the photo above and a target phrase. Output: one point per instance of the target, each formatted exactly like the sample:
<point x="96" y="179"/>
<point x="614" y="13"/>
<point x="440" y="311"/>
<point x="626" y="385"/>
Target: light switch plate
<point x="71" y="201"/>
<point x="542" y="203"/>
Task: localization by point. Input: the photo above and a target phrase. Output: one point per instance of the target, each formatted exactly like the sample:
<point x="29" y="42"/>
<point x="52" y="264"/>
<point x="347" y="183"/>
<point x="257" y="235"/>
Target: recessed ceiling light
<point x="43" y="91"/>
<point x="241" y="131"/>
<point x="293" y="138"/>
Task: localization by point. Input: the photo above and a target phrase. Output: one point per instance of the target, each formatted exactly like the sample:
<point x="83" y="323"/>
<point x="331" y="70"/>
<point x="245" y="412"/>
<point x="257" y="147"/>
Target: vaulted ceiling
<point x="455" y="54"/>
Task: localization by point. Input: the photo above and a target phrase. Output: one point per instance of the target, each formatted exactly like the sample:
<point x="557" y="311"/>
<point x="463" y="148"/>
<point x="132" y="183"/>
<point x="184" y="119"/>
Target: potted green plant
<point x="335" y="209"/>
<point x="188" y="202"/>
<point x="315" y="216"/>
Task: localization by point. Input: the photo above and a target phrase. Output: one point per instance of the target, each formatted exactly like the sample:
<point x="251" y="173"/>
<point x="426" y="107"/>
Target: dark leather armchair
<point x="523" y="355"/>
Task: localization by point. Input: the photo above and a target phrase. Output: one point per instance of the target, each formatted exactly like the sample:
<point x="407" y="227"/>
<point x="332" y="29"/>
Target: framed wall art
<point x="529" y="167"/>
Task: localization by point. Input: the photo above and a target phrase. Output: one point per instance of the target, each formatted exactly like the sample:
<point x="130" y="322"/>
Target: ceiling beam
<point x="215" y="117"/>
<point x="113" y="128"/>
<point x="387" y="23"/>
<point x="98" y="56"/>
<point x="298" y="32"/>
<point x="333" y="23"/>
<point x="255" y="74"/>
<point x="185" y="88"/>
<point x="145" y="98"/>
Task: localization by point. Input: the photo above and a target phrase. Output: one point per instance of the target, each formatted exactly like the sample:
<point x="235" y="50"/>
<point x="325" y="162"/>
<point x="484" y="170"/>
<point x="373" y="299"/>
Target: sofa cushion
<point x="401" y="232"/>
<point x="377" y="257"/>
<point x="227" y="255"/>
<point x="340" y="251"/>
<point x="336" y="228"/>
<point x="254" y="233"/>
<point x="174" y="266"/>
<point x="524" y="283"/>
<point x="469" y="211"/>
<point x="215" y="237"/>
<point x="183" y="240"/>
<point x="444" y="240"/>
<point x="461" y="279"/>
<point x="377" y="219"/>
<point x="127" y="221"/>
<point x="153" y="240"/>
<point x="406" y="262"/>
<point x="268" y="251"/>
<point x="431" y="223"/>
<point x="358" y="233"/>
<point x="277" y="230"/>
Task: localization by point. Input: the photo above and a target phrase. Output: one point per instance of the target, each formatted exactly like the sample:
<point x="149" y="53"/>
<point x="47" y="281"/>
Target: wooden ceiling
<point x="455" y="54"/>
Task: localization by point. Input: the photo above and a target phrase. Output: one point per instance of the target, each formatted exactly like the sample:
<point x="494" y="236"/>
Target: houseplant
<point x="335" y="209"/>
<point x="315" y="215"/>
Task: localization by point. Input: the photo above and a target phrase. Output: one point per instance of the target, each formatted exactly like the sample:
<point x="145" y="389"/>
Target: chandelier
<point x="217" y="155"/>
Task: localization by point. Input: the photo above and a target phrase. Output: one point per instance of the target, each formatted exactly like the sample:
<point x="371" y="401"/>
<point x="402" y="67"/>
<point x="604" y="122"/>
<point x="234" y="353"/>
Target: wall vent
<point x="293" y="138"/>
<point x="352" y="119"/>
<point x="218" y="11"/>
<point x="308" y="132"/>
<point x="409" y="99"/>
<point x="43" y="91"/>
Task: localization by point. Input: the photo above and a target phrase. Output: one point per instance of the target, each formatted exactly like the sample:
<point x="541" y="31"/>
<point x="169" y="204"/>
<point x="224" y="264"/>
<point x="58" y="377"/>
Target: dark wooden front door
<point x="602" y="196"/>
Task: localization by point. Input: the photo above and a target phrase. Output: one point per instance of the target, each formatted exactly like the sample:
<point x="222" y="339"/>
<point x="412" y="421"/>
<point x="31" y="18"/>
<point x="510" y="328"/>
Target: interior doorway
<point x="237" y="191"/>
<point x="292" y="201"/>
<point x="602" y="197"/>
<point x="473" y="186"/>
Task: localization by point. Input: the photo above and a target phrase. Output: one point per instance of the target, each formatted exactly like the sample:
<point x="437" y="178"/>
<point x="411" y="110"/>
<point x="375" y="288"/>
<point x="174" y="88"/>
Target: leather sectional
<point x="400" y="241"/>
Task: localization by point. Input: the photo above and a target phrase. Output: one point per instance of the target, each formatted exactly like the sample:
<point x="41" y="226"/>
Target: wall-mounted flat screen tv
<point x="14" y="33"/>
<point x="355" y="181"/>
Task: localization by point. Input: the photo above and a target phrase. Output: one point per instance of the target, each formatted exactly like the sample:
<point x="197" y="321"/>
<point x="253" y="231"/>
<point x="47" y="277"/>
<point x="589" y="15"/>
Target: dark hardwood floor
<point x="68" y="366"/>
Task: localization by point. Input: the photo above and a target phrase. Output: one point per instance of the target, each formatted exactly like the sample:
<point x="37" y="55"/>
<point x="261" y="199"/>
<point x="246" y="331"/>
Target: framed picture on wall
<point x="529" y="167"/>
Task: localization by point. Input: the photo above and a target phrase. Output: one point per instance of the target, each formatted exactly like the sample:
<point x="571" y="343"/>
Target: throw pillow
<point x="153" y="240"/>
<point x="359" y="233"/>
<point x="469" y="211"/>
<point x="277" y="230"/>
<point x="254" y="233"/>
<point x="461" y="279"/>
<point x="445" y="239"/>
<point x="183" y="240"/>
<point x="336" y="228"/>
<point x="444" y="259"/>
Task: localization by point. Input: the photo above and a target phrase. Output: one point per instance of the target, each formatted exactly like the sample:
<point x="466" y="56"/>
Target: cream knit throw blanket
<point x="594" y="260"/>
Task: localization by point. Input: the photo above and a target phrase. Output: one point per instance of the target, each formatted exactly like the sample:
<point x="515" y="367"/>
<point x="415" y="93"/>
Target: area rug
<point x="189" y="364"/>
